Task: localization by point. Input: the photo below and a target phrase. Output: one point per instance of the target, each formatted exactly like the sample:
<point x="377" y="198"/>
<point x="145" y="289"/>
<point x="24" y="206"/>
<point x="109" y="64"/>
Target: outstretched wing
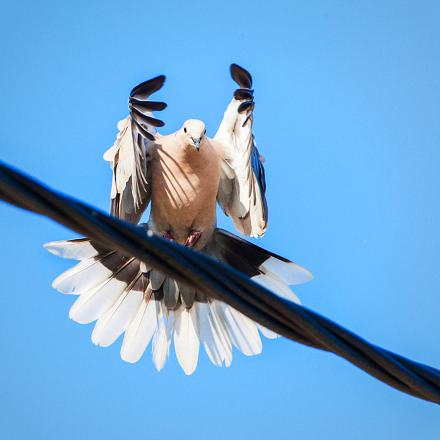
<point x="130" y="154"/>
<point x="242" y="184"/>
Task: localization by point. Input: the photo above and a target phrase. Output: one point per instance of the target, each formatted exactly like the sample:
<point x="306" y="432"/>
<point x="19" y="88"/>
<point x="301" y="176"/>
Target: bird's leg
<point x="168" y="236"/>
<point x="192" y="238"/>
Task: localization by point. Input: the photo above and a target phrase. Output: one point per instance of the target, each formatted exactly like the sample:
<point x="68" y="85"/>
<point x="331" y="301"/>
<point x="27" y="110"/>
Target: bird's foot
<point x="168" y="236"/>
<point x="192" y="238"/>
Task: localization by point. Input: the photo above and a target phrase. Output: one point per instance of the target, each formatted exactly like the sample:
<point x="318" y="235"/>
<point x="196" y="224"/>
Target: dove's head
<point x="193" y="132"/>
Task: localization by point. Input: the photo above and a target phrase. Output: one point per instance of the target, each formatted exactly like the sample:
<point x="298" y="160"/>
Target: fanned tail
<point x="125" y="297"/>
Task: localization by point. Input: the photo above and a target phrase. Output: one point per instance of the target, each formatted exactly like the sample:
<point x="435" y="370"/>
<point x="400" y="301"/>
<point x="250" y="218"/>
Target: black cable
<point x="224" y="283"/>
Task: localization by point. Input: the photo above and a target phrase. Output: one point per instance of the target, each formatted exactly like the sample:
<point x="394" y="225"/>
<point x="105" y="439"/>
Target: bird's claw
<point x="192" y="238"/>
<point x="168" y="236"/>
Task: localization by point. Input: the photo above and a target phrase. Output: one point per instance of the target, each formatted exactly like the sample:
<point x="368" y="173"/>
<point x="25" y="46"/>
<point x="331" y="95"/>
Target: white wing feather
<point x="131" y="152"/>
<point x="242" y="184"/>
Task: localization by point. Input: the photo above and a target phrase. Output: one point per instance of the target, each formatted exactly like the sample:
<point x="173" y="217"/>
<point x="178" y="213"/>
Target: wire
<point x="222" y="282"/>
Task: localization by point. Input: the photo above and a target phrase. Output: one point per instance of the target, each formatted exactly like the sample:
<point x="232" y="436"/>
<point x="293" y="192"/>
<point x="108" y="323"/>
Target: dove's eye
<point x="184" y="129"/>
<point x="204" y="131"/>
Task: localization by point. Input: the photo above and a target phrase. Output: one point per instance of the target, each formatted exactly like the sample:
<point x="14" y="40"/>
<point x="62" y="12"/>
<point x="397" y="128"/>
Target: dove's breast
<point x="184" y="189"/>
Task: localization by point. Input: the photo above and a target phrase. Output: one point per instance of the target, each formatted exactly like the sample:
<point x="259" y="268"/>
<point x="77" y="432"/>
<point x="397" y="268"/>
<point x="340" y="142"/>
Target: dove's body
<point x="182" y="175"/>
<point x="186" y="183"/>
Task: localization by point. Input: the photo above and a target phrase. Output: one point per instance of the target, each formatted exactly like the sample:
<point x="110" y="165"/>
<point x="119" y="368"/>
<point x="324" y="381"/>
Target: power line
<point x="222" y="282"/>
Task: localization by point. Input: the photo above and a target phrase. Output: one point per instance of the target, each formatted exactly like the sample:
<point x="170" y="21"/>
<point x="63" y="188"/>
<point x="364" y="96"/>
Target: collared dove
<point x="181" y="175"/>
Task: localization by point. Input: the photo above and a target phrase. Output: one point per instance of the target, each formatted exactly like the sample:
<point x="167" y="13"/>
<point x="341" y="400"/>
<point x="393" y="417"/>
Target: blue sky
<point x="348" y="100"/>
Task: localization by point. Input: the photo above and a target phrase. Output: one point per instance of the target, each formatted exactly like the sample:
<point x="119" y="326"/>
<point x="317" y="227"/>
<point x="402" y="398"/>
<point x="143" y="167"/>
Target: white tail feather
<point x="209" y="336"/>
<point x="114" y="292"/>
<point x="276" y="286"/>
<point x="243" y="331"/>
<point x="116" y="320"/>
<point x="269" y="334"/>
<point x="186" y="338"/>
<point x="162" y="337"/>
<point x="72" y="249"/>
<point x="140" y="331"/>
<point x="218" y="322"/>
<point x="289" y="272"/>
<point x="88" y="308"/>
<point x="82" y="277"/>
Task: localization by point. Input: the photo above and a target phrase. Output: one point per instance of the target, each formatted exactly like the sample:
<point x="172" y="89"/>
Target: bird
<point x="181" y="176"/>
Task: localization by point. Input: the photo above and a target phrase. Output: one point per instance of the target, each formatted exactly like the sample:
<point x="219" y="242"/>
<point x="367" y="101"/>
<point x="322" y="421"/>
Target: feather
<point x="218" y="321"/>
<point x="253" y="261"/>
<point x="245" y="106"/>
<point x="289" y="272"/>
<point x="277" y="286"/>
<point x="162" y="336"/>
<point x="140" y="127"/>
<point x="186" y="338"/>
<point x="244" y="199"/>
<point x="269" y="334"/>
<point x="87" y="274"/>
<point x="144" y="268"/>
<point x="208" y="336"/>
<point x="243" y="331"/>
<point x="129" y="155"/>
<point x="187" y="295"/>
<point x="92" y="304"/>
<point x="140" y="330"/>
<point x="243" y="94"/>
<point x="142" y="117"/>
<point x="241" y="76"/>
<point x="116" y="320"/>
<point x="78" y="249"/>
<point x="156" y="279"/>
<point x="149" y="105"/>
<point x="216" y="343"/>
<point x="143" y="90"/>
<point x="170" y="293"/>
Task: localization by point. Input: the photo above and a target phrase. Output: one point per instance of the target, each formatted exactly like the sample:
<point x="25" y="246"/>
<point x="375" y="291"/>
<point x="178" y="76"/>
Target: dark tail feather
<point x="271" y="270"/>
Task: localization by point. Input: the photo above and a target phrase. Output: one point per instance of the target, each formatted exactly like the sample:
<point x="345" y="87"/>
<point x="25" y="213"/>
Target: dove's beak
<point x="196" y="143"/>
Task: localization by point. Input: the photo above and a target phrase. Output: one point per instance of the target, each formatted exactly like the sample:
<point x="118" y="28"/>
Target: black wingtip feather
<point x="149" y="105"/>
<point x="146" y="88"/>
<point x="244" y="94"/>
<point x="142" y="118"/>
<point x="241" y="76"/>
<point x="155" y="105"/>
<point x="245" y="106"/>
